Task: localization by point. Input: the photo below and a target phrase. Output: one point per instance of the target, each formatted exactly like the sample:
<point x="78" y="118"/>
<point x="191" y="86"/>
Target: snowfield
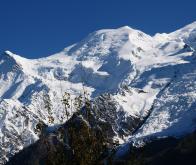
<point x="150" y="77"/>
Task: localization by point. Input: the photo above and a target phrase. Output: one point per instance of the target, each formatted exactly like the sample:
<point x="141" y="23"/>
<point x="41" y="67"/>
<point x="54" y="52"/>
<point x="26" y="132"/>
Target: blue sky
<point x="37" y="28"/>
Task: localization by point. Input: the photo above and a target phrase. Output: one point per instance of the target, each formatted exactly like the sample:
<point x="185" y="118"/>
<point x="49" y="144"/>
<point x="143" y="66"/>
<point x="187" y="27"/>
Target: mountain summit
<point x="146" y="84"/>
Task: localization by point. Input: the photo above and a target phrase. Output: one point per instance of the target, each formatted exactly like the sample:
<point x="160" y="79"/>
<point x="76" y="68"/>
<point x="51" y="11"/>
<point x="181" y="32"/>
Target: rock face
<point x="117" y="122"/>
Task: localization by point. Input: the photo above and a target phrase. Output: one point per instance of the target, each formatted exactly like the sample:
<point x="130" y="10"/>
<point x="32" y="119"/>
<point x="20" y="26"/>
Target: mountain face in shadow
<point x="78" y="142"/>
<point x="163" y="151"/>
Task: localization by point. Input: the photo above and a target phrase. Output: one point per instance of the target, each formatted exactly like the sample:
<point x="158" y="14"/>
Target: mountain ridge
<point x="141" y="73"/>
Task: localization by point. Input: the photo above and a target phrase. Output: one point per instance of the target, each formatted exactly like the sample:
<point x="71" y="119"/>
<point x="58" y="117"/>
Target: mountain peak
<point x="126" y="28"/>
<point x="17" y="58"/>
<point x="8" y="52"/>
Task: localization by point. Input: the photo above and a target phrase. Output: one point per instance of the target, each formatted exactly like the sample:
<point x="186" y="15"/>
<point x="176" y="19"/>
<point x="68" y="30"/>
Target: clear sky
<point x="37" y="28"/>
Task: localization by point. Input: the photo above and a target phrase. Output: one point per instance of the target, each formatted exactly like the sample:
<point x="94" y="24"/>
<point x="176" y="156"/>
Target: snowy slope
<point x="149" y="78"/>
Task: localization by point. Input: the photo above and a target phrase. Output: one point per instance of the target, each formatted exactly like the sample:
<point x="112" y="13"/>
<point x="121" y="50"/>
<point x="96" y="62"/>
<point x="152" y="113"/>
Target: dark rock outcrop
<point x="86" y="140"/>
<point x="74" y="143"/>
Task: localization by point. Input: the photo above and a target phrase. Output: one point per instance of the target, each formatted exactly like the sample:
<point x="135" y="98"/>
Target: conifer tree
<point x="78" y="102"/>
<point x="87" y="104"/>
<point x="48" y="107"/>
<point x="65" y="101"/>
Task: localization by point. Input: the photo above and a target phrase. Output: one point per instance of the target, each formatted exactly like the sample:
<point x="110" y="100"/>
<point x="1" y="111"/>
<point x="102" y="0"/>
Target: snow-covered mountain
<point x="149" y="78"/>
